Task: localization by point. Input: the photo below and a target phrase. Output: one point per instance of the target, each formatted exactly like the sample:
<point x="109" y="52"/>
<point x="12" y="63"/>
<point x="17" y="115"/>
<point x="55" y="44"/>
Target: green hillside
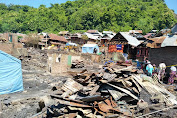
<point x="115" y="15"/>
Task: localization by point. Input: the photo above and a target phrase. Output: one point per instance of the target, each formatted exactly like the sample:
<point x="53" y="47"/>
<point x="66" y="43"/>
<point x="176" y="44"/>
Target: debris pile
<point x="77" y="64"/>
<point x="37" y="58"/>
<point x="114" y="91"/>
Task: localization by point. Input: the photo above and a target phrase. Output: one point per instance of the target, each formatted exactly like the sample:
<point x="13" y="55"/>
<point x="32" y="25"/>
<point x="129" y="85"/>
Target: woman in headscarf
<point x="172" y="75"/>
<point x="161" y="71"/>
<point x="149" y="68"/>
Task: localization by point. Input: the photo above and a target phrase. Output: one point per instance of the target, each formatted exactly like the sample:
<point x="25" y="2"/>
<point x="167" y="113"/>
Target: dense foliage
<point x="115" y="15"/>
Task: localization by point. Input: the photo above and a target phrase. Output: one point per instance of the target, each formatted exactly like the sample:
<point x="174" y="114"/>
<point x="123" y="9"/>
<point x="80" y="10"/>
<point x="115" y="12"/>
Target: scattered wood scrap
<point x="110" y="92"/>
<point x="77" y="64"/>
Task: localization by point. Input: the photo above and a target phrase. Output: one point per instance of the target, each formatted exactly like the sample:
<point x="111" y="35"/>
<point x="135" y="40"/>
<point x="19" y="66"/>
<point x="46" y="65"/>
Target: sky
<point x="172" y="4"/>
<point x="33" y="3"/>
<point x="36" y="3"/>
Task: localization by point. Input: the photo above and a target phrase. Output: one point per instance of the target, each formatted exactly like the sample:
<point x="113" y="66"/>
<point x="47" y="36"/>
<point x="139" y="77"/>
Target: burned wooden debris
<point x="77" y="64"/>
<point x="110" y="92"/>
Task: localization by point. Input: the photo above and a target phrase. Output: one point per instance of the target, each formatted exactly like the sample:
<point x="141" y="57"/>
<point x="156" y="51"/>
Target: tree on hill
<point x="115" y="15"/>
<point x="32" y="40"/>
<point x="85" y="37"/>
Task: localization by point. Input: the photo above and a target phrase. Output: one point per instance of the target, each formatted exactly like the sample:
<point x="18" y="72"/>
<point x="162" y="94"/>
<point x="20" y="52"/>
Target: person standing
<point x="103" y="51"/>
<point x="95" y="50"/>
<point x="161" y="71"/>
<point x="149" y="68"/>
<point x="145" y="64"/>
<point x="138" y="64"/>
<point x="155" y="68"/>
<point x="172" y="75"/>
<point x="58" y="47"/>
<point x="59" y="57"/>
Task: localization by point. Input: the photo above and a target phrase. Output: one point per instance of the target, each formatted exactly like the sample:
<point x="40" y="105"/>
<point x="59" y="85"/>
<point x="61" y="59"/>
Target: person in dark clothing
<point x="95" y="50"/>
<point x="145" y="64"/>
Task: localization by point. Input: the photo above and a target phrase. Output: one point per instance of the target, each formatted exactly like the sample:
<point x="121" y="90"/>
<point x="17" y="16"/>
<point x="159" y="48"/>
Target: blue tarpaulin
<point x="89" y="48"/>
<point x="10" y="74"/>
<point x="72" y="44"/>
<point x="119" y="46"/>
<point x="110" y="61"/>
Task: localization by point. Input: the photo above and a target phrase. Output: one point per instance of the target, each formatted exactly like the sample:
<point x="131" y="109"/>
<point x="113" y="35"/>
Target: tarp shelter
<point x="89" y="48"/>
<point x="10" y="74"/>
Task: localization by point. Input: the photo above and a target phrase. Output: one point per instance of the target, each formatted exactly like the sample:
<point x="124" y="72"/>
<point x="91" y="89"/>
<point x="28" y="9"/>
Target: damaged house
<point x="138" y="34"/>
<point x="93" y="35"/>
<point x="163" y="32"/>
<point x="167" y="53"/>
<point x="107" y="36"/>
<point x="156" y="42"/>
<point x="9" y="42"/>
<point x="151" y="34"/>
<point x="64" y="33"/>
<point x="57" y="40"/>
<point x="77" y="38"/>
<point x="52" y="40"/>
<point x="124" y="43"/>
<point x="164" y="48"/>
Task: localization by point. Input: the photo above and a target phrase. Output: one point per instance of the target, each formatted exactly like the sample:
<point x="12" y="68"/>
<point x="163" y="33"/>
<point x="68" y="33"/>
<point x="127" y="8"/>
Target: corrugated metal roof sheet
<point x="174" y="29"/>
<point x="148" y="35"/>
<point x="157" y="40"/>
<point x="91" y="36"/>
<point x="107" y="32"/>
<point x="110" y="34"/>
<point x="56" y="37"/>
<point x="92" y="31"/>
<point x="89" y="45"/>
<point x="77" y="35"/>
<point x="170" y="40"/>
<point x="136" y="31"/>
<point x="55" y="43"/>
<point x="131" y="40"/>
<point x="63" y="32"/>
<point x="40" y="43"/>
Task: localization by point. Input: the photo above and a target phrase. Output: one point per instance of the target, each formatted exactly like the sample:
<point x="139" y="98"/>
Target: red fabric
<point x="112" y="48"/>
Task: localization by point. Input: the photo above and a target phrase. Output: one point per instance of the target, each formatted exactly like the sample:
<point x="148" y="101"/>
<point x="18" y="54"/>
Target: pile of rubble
<point x="36" y="58"/>
<point x="77" y="64"/>
<point x="113" y="91"/>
